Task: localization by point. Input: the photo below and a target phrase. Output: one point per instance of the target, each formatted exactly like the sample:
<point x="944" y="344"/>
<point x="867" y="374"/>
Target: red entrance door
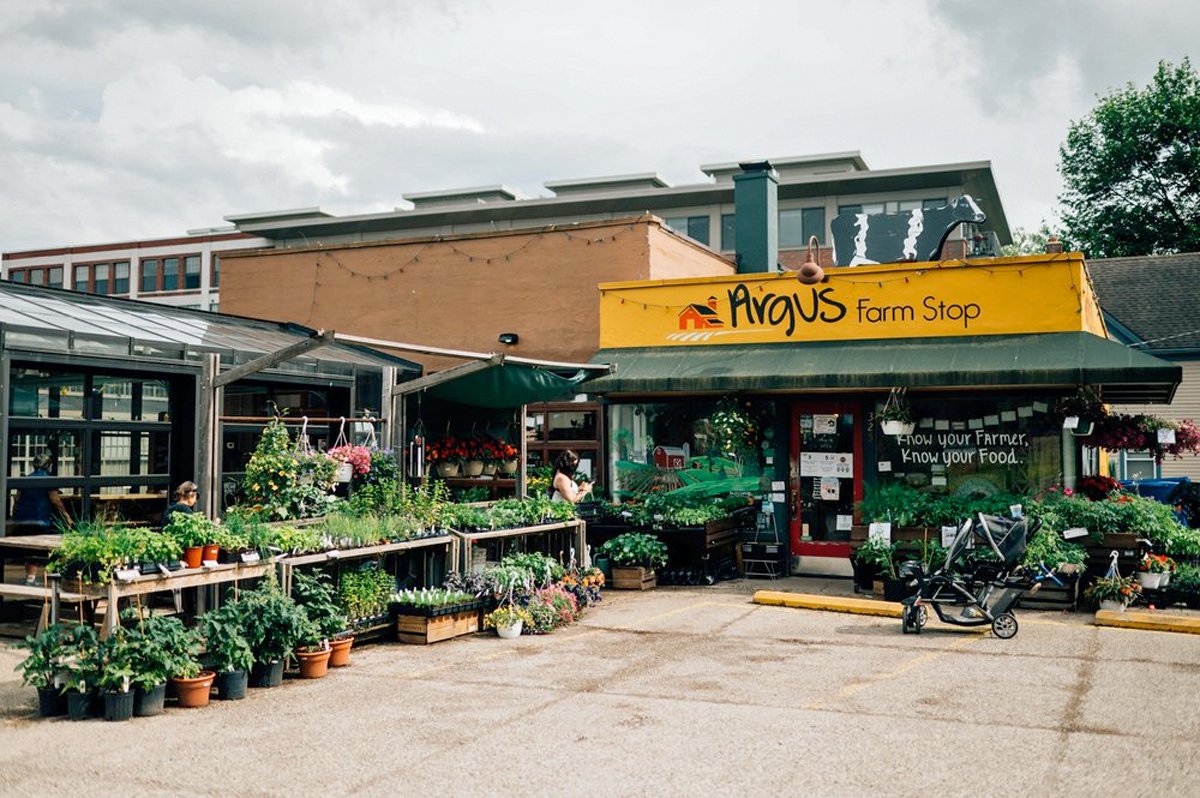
<point x="826" y="476"/>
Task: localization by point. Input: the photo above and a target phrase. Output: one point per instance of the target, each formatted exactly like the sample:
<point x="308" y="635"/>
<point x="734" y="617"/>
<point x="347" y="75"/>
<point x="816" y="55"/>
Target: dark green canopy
<point x="509" y="385"/>
<point x="983" y="361"/>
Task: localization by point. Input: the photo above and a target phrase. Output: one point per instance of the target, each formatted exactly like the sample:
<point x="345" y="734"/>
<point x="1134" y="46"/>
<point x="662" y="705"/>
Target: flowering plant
<point x="285" y="483"/>
<point x="1158" y="564"/>
<point x="508" y="615"/>
<point x="1097" y="487"/>
<point x="357" y="456"/>
<point x="447" y="450"/>
<point x="1114" y="588"/>
<point x="1140" y="433"/>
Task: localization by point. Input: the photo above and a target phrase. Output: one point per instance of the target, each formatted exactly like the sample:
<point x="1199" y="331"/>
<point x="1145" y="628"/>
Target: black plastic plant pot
<point x="118" y="705"/>
<point x="231" y="685"/>
<point x="79" y="705"/>
<point x="267" y="674"/>
<point x="147" y="703"/>
<point x="51" y="702"/>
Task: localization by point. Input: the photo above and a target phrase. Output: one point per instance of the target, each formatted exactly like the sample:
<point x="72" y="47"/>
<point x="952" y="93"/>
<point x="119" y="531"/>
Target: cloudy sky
<point x="126" y="119"/>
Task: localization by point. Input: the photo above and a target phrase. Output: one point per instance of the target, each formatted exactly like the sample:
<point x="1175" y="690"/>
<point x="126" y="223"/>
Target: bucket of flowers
<point x="1154" y="572"/>
<point x="446" y="456"/>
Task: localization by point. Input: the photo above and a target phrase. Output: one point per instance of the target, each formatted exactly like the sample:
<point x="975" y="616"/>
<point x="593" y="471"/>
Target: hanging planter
<point x="896" y="417"/>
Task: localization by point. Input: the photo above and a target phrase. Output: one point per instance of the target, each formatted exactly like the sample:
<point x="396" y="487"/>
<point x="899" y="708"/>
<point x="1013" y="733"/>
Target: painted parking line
<point x="899" y="670"/>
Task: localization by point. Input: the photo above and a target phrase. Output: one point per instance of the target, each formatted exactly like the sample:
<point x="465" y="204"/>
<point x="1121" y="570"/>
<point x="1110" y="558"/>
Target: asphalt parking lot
<point x="679" y="691"/>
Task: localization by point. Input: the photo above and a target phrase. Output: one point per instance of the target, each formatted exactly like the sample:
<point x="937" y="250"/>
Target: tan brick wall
<point x="462" y="292"/>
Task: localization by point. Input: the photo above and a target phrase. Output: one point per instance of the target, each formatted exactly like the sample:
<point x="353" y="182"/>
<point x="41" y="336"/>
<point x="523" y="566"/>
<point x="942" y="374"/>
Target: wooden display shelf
<point x="468" y="539"/>
<point x="288" y="564"/>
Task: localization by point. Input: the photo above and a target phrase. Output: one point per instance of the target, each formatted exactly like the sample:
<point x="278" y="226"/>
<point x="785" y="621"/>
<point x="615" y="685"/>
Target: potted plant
<point x="446" y="456"/>
<point x="316" y="596"/>
<point x="312" y="651"/>
<point x="273" y="624"/>
<point x="1113" y="592"/>
<point x="1186" y="586"/>
<point x="228" y="651"/>
<point x="508" y="620"/>
<point x="44" y="668"/>
<point x="870" y="561"/>
<point x="1081" y="411"/>
<point x="429" y="615"/>
<point x="156" y="642"/>
<point x="896" y="417"/>
<point x="193" y="532"/>
<point x="79" y="670"/>
<point x="1154" y="571"/>
<point x="114" y="668"/>
<point x="635" y="555"/>
<point x="178" y="649"/>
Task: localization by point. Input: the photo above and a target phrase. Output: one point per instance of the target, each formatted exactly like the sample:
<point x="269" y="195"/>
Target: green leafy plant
<point x="191" y="529"/>
<point x="78" y="658"/>
<point x="224" y="639"/>
<point x="636" y="549"/>
<point x="365" y="592"/>
<point x="116" y="661"/>
<point x="284" y="483"/>
<point x="93" y="549"/>
<point x="1048" y="548"/>
<point x="877" y="553"/>
<point x="272" y="622"/>
<point x="44" y="666"/>
<point x="432" y="599"/>
<point x="315" y="595"/>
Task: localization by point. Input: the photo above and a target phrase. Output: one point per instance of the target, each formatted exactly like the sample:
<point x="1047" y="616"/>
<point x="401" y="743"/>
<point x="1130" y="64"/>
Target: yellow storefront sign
<point x="1002" y="296"/>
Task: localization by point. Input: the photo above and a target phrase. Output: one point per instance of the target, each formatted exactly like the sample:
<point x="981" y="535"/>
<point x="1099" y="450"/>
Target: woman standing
<point x="564" y="488"/>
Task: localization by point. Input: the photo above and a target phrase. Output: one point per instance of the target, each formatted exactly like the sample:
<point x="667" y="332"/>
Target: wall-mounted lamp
<point x="811" y="272"/>
<point x="508" y="338"/>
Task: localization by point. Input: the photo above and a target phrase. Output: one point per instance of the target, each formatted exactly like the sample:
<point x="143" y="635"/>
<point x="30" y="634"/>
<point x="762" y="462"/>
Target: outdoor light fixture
<point x="811" y="272"/>
<point x="508" y="338"/>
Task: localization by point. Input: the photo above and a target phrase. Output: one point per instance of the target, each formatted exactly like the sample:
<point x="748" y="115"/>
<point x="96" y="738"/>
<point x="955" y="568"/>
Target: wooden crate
<point x="1051" y="597"/>
<point x="423" y="630"/>
<point x="624" y="578"/>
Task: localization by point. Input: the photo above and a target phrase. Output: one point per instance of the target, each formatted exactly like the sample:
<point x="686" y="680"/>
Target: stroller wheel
<point x="922" y="617"/>
<point x="1005" y="626"/>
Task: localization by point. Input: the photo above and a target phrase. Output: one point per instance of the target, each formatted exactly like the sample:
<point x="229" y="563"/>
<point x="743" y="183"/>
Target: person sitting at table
<point x="185" y="501"/>
<point x="36" y="508"/>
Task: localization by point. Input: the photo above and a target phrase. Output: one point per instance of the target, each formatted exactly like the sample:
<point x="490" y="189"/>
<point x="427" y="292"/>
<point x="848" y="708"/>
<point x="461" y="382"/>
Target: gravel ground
<point x="678" y="691"/>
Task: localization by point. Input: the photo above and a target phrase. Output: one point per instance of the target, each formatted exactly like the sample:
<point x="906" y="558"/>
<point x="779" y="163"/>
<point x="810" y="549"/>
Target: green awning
<point x="987" y="361"/>
<point x="509" y="385"/>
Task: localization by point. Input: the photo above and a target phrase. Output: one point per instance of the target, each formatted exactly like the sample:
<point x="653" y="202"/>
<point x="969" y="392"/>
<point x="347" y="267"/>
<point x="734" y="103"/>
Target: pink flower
<point x="1068" y="492"/>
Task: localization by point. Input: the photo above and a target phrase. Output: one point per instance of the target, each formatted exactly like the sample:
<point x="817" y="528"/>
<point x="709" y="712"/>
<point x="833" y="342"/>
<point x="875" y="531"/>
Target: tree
<point x="1131" y="169"/>
<point x="1031" y="242"/>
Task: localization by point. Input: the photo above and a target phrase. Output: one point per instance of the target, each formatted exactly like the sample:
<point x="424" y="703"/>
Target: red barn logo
<point x="701" y="317"/>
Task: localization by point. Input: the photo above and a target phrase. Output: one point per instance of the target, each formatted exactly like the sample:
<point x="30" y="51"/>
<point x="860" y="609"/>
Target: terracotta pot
<point x="194" y="692"/>
<point x="193" y="556"/>
<point x="313" y="664"/>
<point x="339" y="656"/>
<point x="211" y="551"/>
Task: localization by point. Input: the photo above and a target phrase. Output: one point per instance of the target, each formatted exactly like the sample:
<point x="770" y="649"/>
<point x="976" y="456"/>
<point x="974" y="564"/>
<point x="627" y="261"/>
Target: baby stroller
<point x="977" y="585"/>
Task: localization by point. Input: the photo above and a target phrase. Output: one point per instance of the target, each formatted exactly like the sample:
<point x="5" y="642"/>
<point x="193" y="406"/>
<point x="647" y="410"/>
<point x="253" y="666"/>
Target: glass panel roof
<point x="53" y="312"/>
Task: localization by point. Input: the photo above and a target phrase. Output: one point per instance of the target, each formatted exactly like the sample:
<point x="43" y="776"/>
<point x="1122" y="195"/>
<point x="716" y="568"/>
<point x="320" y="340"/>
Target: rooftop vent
<point x="461" y="196"/>
<point x="607" y="185"/>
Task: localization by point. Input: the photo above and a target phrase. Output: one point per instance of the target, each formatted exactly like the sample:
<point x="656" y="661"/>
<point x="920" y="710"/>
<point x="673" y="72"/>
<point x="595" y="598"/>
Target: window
<point x="728" y="231"/>
<point x="170" y="274"/>
<point x="51" y="276"/>
<point x="191" y="272"/>
<point x="1134" y="465"/>
<point x="893" y="206"/>
<point x="567" y="425"/>
<point x="216" y="271"/>
<point x="694" y="227"/>
<point x="108" y="438"/>
<point x="795" y="227"/>
<point x="120" y="284"/>
<point x="100" y="278"/>
<point x="149" y="275"/>
<point x="83" y="278"/>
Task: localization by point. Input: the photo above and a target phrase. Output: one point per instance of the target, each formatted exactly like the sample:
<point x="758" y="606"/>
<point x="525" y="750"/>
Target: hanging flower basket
<point x="897" y="427"/>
